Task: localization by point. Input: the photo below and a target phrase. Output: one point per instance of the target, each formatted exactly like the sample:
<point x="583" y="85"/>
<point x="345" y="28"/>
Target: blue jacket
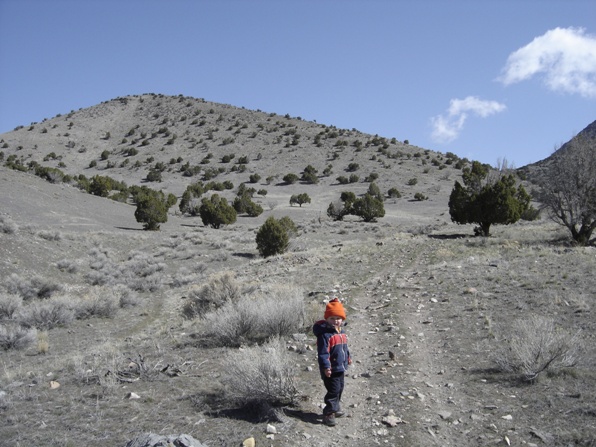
<point x="332" y="348"/>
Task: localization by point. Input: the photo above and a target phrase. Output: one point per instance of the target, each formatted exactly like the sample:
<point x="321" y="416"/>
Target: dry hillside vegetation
<point x="109" y="331"/>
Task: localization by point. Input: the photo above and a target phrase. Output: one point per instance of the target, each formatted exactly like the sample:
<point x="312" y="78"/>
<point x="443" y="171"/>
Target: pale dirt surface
<point x="428" y="304"/>
<point x="405" y="294"/>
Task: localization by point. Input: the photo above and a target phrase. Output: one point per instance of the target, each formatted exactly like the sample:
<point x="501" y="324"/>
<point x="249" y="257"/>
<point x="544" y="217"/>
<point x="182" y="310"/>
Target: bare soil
<point x="426" y="312"/>
<point x="429" y="305"/>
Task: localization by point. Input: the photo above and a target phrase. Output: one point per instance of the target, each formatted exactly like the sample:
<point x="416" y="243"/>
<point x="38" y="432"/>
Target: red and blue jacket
<point x="332" y="348"/>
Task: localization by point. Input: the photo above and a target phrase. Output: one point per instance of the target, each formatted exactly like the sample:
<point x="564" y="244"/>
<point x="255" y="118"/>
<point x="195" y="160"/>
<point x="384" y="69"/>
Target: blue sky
<point x="488" y="80"/>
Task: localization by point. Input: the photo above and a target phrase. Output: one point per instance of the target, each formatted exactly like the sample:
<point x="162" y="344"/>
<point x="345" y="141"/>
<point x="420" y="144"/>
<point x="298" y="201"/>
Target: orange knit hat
<point x="335" y="309"/>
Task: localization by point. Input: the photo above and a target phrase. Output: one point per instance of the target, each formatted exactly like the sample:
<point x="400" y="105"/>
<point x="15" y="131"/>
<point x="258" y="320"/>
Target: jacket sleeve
<point x="323" y="351"/>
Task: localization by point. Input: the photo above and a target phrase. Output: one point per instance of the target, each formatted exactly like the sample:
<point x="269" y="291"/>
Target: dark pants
<point x="334" y="386"/>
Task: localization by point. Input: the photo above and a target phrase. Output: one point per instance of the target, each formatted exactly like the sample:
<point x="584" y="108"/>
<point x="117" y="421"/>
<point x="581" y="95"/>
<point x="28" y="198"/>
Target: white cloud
<point x="448" y="126"/>
<point x="566" y="57"/>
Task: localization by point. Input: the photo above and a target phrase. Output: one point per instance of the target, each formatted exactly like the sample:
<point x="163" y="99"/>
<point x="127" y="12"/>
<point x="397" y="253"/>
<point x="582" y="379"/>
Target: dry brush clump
<point x="535" y="345"/>
<point x="275" y="311"/>
<point x="7" y="225"/>
<point x="260" y="376"/>
<point x="15" y="336"/>
<point x="10" y="304"/>
<point x="140" y="272"/>
<point x="217" y="291"/>
<point x="47" y="314"/>
<point x="36" y="287"/>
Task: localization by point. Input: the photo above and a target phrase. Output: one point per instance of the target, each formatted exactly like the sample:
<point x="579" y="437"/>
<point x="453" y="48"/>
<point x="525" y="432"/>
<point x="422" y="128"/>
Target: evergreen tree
<point x="216" y="212"/>
<point x="486" y="202"/>
<point x="273" y="237"/>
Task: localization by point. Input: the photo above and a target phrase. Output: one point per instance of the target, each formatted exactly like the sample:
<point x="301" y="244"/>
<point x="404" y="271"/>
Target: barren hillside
<point x="432" y="310"/>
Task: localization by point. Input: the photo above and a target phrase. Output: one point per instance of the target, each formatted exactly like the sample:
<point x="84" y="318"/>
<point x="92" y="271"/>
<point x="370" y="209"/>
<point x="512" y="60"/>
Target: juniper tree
<point x="485" y="201"/>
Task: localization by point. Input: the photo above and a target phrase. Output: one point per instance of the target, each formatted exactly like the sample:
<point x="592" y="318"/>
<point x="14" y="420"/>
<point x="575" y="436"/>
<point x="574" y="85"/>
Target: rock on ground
<point x="153" y="440"/>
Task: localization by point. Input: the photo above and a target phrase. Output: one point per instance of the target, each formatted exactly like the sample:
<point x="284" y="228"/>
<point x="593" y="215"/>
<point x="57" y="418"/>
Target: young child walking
<point x="334" y="357"/>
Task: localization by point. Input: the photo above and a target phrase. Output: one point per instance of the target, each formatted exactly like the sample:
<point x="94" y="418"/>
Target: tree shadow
<point x="130" y="229"/>
<point x="449" y="236"/>
<point x="305" y="416"/>
<point x="245" y="255"/>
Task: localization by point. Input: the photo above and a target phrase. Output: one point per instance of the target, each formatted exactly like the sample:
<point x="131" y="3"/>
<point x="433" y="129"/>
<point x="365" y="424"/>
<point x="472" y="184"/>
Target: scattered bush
<point x="220" y="289"/>
<point x="420" y="197"/>
<point x="394" y="193"/>
<point x="7" y="226"/>
<point x="290" y="179"/>
<point x="10" y="305"/>
<point x="47" y="314"/>
<point x="299" y="199"/>
<point x="534" y="345"/>
<point x="67" y="265"/>
<point x="99" y="303"/>
<point x="15" y="336"/>
<point x="35" y="288"/>
<point x="273" y="237"/>
<point x="260" y="376"/>
<point x="216" y="211"/>
<point x="530" y="214"/>
<point x="369" y="208"/>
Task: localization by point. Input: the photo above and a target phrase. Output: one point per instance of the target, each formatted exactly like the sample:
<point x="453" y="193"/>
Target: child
<point x="334" y="357"/>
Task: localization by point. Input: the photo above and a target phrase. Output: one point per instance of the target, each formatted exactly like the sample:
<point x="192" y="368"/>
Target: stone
<point x="154" y="440"/>
<point x="54" y="385"/>
<point x="271" y="429"/>
<point x="249" y="442"/>
<point x="391" y="421"/>
<point x="444" y="414"/>
<point x="133" y="396"/>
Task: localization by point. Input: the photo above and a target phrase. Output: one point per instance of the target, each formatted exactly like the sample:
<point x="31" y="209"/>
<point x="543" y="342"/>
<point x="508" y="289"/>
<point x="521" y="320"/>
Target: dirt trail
<point x="394" y="391"/>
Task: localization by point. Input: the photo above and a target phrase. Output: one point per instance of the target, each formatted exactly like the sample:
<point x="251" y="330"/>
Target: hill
<point x="432" y="311"/>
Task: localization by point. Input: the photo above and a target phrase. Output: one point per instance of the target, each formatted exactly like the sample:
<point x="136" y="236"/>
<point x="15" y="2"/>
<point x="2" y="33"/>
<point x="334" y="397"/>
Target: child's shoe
<point x="339" y="414"/>
<point x="329" y="419"/>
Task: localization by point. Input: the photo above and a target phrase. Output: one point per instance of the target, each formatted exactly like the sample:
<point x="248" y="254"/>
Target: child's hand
<point x="328" y="372"/>
<point x="349" y="360"/>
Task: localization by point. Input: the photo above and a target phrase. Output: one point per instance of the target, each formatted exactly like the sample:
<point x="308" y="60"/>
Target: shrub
<point x="37" y="287"/>
<point x="260" y="376"/>
<point x="534" y="345"/>
<point x="299" y="199"/>
<point x="100" y="304"/>
<point x="420" y="197"/>
<point x="7" y="225"/>
<point x="216" y="212"/>
<point x="244" y="204"/>
<point x="154" y="175"/>
<point x="530" y="214"/>
<point x="368" y="208"/>
<point x="310" y="178"/>
<point x="152" y="207"/>
<point x="220" y="289"/>
<point x="47" y="314"/>
<point x="394" y="193"/>
<point x="290" y="179"/>
<point x="15" y="336"/>
<point x="10" y="305"/>
<point x="375" y="191"/>
<point x="272" y="238"/>
<point x="486" y="201"/>
<point x="413" y="181"/>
